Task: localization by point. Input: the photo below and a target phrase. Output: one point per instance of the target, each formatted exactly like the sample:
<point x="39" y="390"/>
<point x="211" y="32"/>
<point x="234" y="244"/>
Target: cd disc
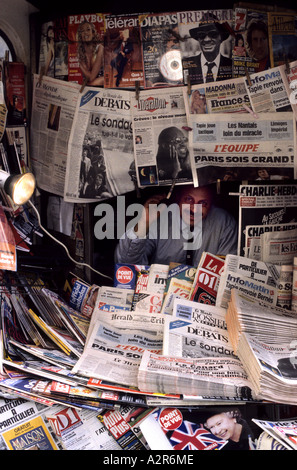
<point x="171" y="66"/>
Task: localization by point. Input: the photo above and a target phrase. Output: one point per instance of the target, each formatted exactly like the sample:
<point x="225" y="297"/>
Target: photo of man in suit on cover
<point x="209" y="64"/>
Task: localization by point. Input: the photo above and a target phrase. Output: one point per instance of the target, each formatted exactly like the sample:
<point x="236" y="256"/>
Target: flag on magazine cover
<point x="185" y="434"/>
<point x="193" y="436"/>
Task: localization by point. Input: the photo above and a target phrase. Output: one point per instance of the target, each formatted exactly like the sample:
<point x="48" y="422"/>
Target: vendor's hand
<point x="174" y="160"/>
<point x="148" y="217"/>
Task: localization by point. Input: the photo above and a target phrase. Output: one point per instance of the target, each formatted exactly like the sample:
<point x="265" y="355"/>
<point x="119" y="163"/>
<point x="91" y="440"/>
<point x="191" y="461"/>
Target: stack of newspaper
<point x="271" y="368"/>
<point x="211" y="376"/>
<point x="273" y="325"/>
<point x="264" y="338"/>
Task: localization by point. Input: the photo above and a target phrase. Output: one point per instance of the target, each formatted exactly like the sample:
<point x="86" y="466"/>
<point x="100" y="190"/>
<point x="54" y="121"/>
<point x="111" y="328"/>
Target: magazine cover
<point x="221" y="428"/>
<point x="85" y="49"/>
<point x="33" y="435"/>
<point x="250" y="53"/>
<point x="206" y="45"/>
<point x="122" y="52"/>
<point x="264" y="205"/>
<point x="53" y="52"/>
<point x="15" y="92"/>
<point x="61" y="47"/>
<point x="161" y="51"/>
<point x="282" y="37"/>
<point x="47" y="50"/>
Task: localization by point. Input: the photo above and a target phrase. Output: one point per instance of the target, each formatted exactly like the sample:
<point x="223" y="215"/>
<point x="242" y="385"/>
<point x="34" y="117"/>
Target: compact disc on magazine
<point x="171" y="66"/>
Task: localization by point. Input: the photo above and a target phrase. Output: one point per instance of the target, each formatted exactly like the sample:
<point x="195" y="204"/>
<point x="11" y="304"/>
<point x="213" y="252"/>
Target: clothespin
<point x="84" y="83"/>
<point x="189" y="85"/>
<point x="255" y="115"/>
<point x="42" y="71"/>
<point x="248" y="76"/>
<point x="137" y="89"/>
<point x="218" y="186"/>
<point x="287" y="64"/>
<point x="171" y="189"/>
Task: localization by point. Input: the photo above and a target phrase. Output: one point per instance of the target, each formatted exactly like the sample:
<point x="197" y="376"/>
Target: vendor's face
<point x="194" y="200"/>
<point x="210" y="40"/>
<point x="221" y="426"/>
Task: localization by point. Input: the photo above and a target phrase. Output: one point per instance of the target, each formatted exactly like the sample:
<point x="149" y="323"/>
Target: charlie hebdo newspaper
<point x="264" y="205"/>
<point x="160" y="137"/>
<point x="100" y="151"/>
<point x="53" y="108"/>
<point x="242" y="146"/>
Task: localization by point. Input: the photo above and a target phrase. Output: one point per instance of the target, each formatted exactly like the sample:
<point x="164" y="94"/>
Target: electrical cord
<point x="64" y="246"/>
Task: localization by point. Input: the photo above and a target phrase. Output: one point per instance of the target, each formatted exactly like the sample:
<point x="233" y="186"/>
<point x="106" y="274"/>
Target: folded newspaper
<point x="271" y="369"/>
<point x="211" y="376"/>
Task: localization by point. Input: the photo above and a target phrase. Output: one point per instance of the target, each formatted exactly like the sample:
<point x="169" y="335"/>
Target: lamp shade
<point x="19" y="187"/>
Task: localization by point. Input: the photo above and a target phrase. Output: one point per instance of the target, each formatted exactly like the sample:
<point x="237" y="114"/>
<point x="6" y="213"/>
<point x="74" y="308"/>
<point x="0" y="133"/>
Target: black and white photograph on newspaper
<point x="100" y="151"/>
<point x="161" y="55"/>
<point x="206" y="45"/>
<point x="242" y="147"/>
<point x="160" y="136"/>
<point x="265" y="204"/>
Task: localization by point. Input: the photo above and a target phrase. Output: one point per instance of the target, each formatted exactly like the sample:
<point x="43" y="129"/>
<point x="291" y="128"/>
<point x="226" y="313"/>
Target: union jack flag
<point x="193" y="436"/>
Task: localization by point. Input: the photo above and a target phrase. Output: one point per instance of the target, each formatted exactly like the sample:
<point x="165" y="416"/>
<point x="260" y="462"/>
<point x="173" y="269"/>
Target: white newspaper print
<point x="53" y="107"/>
<point x="161" y="137"/>
<point x="100" y="144"/>
<point x="243" y="145"/>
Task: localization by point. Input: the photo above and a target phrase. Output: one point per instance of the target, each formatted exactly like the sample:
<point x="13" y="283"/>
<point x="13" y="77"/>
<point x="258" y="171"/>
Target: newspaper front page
<point x="100" y="152"/>
<point x="252" y="278"/>
<point x="253" y="233"/>
<point x="114" y="354"/>
<point x="228" y="96"/>
<point x="268" y="91"/>
<point x="53" y="107"/>
<point x="196" y="330"/>
<point x="160" y="137"/>
<point x="242" y="146"/>
<point x="265" y="205"/>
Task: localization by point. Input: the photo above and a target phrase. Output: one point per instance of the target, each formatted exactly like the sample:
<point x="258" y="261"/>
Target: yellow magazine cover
<point x="31" y="435"/>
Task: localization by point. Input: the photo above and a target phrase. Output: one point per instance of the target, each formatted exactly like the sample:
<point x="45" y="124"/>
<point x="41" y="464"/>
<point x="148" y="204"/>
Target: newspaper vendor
<point x="182" y="236"/>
